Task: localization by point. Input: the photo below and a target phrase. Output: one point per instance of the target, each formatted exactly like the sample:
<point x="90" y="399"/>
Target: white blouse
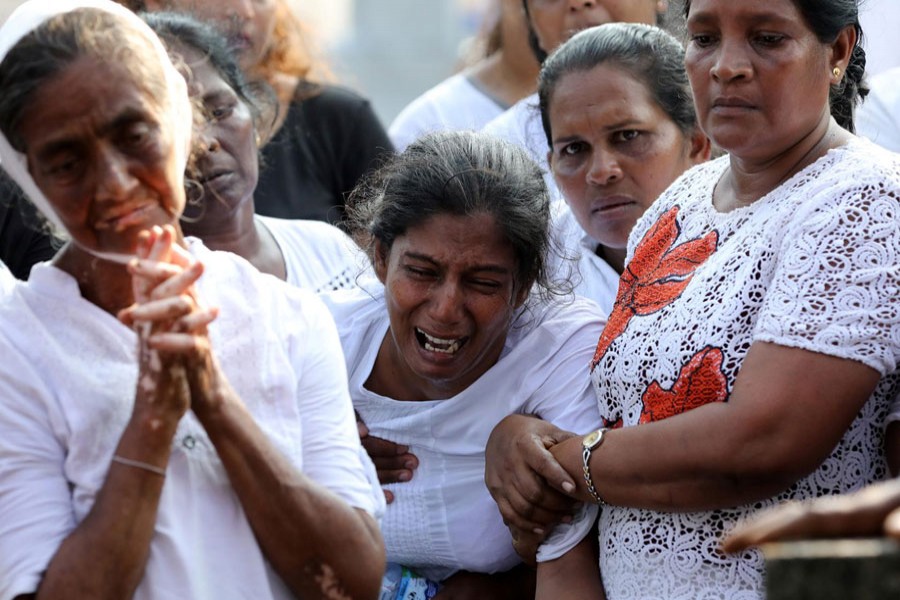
<point x="67" y="384"/>
<point x="444" y="519"/>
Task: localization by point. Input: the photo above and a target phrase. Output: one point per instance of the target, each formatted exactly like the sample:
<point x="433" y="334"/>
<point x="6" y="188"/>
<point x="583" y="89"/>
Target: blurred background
<point x="393" y="50"/>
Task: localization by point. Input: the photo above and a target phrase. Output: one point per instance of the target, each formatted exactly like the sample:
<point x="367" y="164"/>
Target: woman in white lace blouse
<point x="752" y="352"/>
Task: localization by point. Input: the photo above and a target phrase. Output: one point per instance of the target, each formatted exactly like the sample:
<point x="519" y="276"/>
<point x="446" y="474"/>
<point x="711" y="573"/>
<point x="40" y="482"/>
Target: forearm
<point x="575" y="575"/>
<point x="315" y="541"/>
<point x="105" y="555"/>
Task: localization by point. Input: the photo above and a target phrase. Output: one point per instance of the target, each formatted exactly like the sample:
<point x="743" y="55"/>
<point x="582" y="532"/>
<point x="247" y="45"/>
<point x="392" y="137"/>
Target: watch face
<point x="590" y="439"/>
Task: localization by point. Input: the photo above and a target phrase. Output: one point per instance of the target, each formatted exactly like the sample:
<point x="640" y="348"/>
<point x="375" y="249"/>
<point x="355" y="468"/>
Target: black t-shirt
<point x="24" y="238"/>
<point x="326" y="144"/>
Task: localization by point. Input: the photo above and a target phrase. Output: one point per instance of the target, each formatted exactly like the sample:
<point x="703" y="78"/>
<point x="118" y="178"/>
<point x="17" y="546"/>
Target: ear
<point x="662" y="7"/>
<point x="380" y="260"/>
<point x="701" y="147"/>
<point x="842" y="48"/>
<point x="154" y="5"/>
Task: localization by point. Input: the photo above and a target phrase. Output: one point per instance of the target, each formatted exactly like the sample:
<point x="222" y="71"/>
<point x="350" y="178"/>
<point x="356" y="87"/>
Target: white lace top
<point x="815" y="265"/>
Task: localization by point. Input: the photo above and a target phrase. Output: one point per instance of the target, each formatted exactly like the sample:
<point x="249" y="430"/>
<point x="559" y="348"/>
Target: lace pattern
<point x="811" y="265"/>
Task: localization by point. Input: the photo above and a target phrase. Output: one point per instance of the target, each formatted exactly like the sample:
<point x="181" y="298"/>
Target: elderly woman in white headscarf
<point x="152" y="446"/>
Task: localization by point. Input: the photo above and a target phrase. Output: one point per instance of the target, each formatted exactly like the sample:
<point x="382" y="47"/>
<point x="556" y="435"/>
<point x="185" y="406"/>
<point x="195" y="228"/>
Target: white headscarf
<point x="28" y="17"/>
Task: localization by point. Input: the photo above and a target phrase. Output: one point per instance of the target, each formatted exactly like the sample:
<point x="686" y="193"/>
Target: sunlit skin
<point x="247" y="23"/>
<point x="227" y="164"/>
<point x="101" y="158"/>
<point x="614" y="152"/>
<point x="453" y="278"/>
<point x="555" y="21"/>
<point x="227" y="169"/>
<point x="756" y="66"/>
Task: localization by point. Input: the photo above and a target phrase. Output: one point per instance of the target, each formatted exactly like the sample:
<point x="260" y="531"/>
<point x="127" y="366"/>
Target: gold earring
<point x="837" y="73"/>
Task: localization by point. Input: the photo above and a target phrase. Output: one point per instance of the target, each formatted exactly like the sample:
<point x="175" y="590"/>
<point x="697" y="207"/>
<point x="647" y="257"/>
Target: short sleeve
<point x="837" y="278"/>
<point x="34" y="494"/>
<point x="332" y="453"/>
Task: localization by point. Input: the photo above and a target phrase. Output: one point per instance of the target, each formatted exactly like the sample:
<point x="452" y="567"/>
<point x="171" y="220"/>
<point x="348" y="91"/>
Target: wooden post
<point x="863" y="569"/>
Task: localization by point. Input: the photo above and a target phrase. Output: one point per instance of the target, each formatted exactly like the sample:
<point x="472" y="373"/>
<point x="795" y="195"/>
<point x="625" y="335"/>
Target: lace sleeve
<point x="835" y="288"/>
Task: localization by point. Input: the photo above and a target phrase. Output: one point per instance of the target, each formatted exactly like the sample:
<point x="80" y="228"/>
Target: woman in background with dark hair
<point x="305" y="253"/>
<point x="750" y="357"/>
<point x="325" y="136"/>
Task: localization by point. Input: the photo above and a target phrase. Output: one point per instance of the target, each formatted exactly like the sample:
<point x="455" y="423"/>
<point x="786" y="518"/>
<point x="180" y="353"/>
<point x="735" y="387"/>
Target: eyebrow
<point x="480" y="268"/>
<point x="617" y="126"/>
<point x="707" y="18"/>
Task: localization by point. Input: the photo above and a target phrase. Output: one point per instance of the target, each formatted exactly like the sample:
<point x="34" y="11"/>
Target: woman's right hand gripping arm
<point x="105" y="555"/>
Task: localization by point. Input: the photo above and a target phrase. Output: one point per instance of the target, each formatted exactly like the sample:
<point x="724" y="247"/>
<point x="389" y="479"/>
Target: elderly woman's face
<point x="97" y="150"/>
<point x="760" y="76"/>
<point x="451" y="294"/>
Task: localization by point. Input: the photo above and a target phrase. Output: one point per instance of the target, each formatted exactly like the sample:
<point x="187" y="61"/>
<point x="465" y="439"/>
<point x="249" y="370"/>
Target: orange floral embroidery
<point x="656" y="275"/>
<point x="700" y="382"/>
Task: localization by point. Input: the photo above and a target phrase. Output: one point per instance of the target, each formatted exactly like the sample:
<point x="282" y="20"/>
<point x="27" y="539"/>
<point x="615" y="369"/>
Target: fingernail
<point x="404" y="476"/>
<point x="538" y="531"/>
<point x="567" y="485"/>
<point x="567" y="519"/>
<point x="409" y="465"/>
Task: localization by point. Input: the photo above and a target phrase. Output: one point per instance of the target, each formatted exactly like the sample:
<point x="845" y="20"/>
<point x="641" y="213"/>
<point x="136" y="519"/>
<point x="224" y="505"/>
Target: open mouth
<point x="440" y="345"/>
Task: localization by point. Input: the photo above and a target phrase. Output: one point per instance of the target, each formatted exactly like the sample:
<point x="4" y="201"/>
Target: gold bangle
<point x="139" y="465"/>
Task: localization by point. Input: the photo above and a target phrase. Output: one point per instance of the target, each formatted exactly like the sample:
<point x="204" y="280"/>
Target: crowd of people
<point x="593" y="318"/>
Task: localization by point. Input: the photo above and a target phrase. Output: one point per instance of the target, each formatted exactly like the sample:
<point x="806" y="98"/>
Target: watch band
<point x="586" y="467"/>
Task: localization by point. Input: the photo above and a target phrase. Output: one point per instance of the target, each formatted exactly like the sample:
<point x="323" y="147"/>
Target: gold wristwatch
<point x="589" y="443"/>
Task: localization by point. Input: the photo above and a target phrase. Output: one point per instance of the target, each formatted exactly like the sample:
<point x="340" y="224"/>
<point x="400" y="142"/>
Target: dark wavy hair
<point x="459" y="173"/>
<point x="827" y="18"/>
<point x="651" y="55"/>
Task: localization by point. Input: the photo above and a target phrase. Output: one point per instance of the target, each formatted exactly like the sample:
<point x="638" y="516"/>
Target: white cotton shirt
<point x="317" y="255"/>
<point x="522" y="126"/>
<point x="590" y="275"/>
<point x="444" y="519"/>
<point x="878" y="117"/>
<point x="67" y="384"/>
<point x="815" y="265"/>
<point x="7" y="280"/>
<point x="452" y="105"/>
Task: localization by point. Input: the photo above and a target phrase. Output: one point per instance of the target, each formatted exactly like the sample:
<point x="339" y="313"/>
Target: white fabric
<point x="591" y="276"/>
<point x="67" y="382"/>
<point x="444" y="519"/>
<point x="7" y="280"/>
<point x="318" y="256"/>
<point x="453" y="104"/>
<point x="29" y="16"/>
<point x="522" y="126"/>
<point x="878" y="117"/>
<point x="815" y="265"/>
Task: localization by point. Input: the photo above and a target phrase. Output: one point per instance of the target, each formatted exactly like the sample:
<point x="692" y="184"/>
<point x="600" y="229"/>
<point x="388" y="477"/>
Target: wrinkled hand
<point x="168" y="318"/>
<point x="518" y="467"/>
<point x="872" y="511"/>
<point x="393" y="462"/>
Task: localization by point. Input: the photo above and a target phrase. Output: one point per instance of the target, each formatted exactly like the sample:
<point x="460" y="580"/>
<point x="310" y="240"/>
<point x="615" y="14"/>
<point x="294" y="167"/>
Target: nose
<point x="604" y="169"/>
<point x="575" y="5"/>
<point x="206" y="141"/>
<point x="447" y="303"/>
<point x="242" y="9"/>
<point x="115" y="181"/>
<point x="731" y="63"/>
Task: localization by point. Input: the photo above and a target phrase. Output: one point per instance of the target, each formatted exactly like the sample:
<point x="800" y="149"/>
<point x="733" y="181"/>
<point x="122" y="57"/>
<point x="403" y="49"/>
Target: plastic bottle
<point x="399" y="583"/>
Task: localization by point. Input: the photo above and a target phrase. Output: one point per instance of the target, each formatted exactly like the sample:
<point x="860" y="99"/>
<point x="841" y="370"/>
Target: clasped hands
<point x="175" y="358"/>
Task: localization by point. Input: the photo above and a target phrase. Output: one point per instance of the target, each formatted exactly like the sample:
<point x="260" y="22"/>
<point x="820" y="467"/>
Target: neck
<point x="504" y="79"/>
<point x="104" y="283"/>
<point x="749" y="179"/>
<point x="243" y="234"/>
<point x="614" y="257"/>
